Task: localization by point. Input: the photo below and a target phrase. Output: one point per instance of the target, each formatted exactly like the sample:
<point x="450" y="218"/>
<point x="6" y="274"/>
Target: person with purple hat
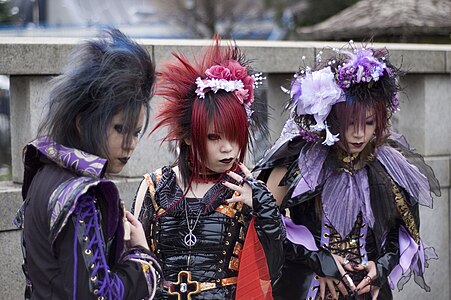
<point x="349" y="185"/>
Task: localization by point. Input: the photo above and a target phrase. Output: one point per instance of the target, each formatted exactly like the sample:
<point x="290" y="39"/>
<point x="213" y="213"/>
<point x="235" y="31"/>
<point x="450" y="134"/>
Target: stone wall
<point x="423" y="119"/>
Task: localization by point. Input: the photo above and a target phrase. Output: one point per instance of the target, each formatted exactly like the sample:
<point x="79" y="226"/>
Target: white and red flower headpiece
<point x="231" y="77"/>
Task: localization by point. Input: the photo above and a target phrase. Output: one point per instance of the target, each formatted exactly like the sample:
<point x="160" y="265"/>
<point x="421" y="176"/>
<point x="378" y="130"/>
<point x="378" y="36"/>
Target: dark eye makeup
<point x="213" y="136"/>
<point x="119" y="128"/>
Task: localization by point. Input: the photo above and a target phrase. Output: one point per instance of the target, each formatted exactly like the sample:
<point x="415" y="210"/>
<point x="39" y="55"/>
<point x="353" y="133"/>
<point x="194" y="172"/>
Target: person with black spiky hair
<point x="78" y="241"/>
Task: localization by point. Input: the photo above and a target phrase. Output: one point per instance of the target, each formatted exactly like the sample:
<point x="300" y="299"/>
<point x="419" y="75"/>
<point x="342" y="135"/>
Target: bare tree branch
<point x="204" y="18"/>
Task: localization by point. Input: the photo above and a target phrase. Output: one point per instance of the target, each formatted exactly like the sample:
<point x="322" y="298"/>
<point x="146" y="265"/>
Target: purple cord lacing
<point x="109" y="287"/>
<point x="74" y="292"/>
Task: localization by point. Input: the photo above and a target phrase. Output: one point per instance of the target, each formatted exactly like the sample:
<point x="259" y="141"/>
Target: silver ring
<point x="349" y="280"/>
<point x="345" y="261"/>
<point x="364" y="263"/>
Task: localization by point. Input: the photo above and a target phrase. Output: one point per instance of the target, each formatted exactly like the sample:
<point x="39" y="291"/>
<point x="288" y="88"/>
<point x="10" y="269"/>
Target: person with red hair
<point x="216" y="229"/>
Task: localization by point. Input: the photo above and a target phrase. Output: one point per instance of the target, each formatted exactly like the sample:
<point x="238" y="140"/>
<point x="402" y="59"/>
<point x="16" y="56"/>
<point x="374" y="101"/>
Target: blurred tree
<point x="204" y="18"/>
<point x="233" y="18"/>
<point x="291" y="14"/>
<point x="319" y="10"/>
<point x="7" y="14"/>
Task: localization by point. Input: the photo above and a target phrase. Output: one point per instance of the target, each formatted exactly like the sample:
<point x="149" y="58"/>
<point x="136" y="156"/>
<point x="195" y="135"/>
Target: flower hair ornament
<point x="350" y="75"/>
<point x="231" y="77"/>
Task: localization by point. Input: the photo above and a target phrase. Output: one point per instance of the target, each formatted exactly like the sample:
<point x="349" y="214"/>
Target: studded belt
<point x="185" y="287"/>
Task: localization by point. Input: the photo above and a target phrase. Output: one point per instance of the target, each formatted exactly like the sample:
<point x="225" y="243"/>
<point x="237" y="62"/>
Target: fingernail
<point x="223" y="181"/>
<point x="228" y="172"/>
<point x="240" y="163"/>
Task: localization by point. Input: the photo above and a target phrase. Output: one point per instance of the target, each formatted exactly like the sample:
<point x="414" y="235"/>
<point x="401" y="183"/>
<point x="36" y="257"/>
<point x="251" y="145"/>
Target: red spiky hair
<point x="187" y="116"/>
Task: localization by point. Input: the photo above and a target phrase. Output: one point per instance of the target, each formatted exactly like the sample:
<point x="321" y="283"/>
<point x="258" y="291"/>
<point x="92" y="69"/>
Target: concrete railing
<point x="423" y="119"/>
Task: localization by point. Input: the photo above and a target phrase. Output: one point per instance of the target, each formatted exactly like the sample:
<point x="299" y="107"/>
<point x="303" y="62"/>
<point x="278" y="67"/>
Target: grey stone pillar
<point x="27" y="107"/>
<point x="424" y="120"/>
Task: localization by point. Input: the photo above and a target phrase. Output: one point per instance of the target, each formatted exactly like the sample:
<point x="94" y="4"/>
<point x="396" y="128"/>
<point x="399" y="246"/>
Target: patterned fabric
<point x="80" y="162"/>
<point x="150" y="266"/>
<point x="405" y="213"/>
<point x="170" y="195"/>
<point x="65" y="198"/>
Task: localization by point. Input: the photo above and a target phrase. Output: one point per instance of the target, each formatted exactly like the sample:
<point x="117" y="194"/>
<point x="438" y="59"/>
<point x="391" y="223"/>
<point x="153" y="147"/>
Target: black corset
<point x="208" y="260"/>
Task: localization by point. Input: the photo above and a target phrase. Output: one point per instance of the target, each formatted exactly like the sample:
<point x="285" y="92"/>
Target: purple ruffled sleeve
<point x="407" y="175"/>
<point x="299" y="234"/>
<point x="310" y="161"/>
<point x="413" y="260"/>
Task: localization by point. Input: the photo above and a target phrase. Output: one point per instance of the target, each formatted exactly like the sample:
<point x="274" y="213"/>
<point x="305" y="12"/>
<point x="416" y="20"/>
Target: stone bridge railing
<point x="424" y="119"/>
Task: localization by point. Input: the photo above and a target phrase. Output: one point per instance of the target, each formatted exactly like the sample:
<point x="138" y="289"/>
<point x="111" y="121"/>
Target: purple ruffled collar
<point x="346" y="193"/>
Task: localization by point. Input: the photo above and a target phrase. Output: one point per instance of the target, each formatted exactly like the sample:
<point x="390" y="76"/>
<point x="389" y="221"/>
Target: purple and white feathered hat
<point x="314" y="92"/>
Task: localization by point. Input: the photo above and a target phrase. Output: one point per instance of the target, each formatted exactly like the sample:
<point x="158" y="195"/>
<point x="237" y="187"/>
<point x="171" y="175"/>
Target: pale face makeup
<point x="358" y="136"/>
<point x="221" y="152"/>
<point x="118" y="155"/>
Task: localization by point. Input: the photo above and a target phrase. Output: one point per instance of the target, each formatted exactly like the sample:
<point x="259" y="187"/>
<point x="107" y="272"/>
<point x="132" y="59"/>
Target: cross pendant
<point x="184" y="287"/>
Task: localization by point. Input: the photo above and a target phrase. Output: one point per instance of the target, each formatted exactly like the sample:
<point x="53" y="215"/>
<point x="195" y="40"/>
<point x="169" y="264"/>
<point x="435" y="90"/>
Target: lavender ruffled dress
<point x="362" y="208"/>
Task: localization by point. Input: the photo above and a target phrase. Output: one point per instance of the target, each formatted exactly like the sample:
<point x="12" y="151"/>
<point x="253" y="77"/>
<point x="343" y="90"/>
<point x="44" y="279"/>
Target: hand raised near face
<point x="243" y="191"/>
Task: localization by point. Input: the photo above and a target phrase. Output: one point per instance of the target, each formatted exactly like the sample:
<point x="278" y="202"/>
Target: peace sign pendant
<point x="190" y="239"/>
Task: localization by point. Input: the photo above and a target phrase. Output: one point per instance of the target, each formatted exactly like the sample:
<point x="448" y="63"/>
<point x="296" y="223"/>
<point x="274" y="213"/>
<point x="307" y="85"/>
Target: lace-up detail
<point x="88" y="234"/>
<point x="352" y="247"/>
<point x="213" y="257"/>
<point x="348" y="247"/>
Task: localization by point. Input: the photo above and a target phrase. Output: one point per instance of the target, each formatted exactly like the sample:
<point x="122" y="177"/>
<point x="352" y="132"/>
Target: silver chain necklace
<point x="190" y="238"/>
